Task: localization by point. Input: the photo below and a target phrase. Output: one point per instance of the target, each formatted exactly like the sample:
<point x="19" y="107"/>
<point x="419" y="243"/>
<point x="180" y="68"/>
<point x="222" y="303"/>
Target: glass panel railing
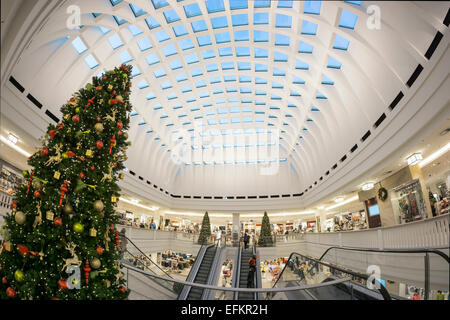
<point x="302" y="271"/>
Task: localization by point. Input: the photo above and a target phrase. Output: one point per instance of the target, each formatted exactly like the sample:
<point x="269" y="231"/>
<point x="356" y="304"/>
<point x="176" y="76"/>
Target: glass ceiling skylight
<point x="235" y="65"/>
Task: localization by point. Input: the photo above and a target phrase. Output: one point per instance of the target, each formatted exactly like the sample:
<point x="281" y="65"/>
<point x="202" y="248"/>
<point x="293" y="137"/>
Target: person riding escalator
<point x="251" y="271"/>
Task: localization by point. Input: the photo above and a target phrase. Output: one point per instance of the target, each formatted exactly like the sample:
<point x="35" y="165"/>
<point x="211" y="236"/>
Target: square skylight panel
<point x="152" y="23"/>
<point x="260" y="67"/>
<point x="215" y="6"/>
<point x="227" y="65"/>
<point x="219" y="22"/>
<point x="278" y="72"/>
<point x="135" y="71"/>
<point x="284" y="4"/>
<point x="171" y="16"/>
<point x="199" y="26"/>
<point x="283" y="21"/>
<point x="261" y="3"/>
<point x="239" y="19"/>
<point x="212" y="67"/>
<point x="90" y="61"/>
<point x="79" y="45"/>
<point x="222" y="37"/>
<point x="326" y="80"/>
<point x="305" y="47"/>
<point x="119" y="20"/>
<point x="196" y="72"/>
<point x="241" y="35"/>
<point x="242" y="51"/>
<point x="162" y="36"/>
<point x="134" y="30"/>
<point x="142" y="84"/>
<point x="159" y="3"/>
<point x="261" y="18"/>
<point x="260" y="80"/>
<point x="152" y="59"/>
<point x="312" y="7"/>
<point x="357" y="3"/>
<point x="169" y="50"/>
<point x="340" y="43"/>
<point x="298" y="80"/>
<point x="204" y="40"/>
<point x="175" y="64"/>
<point x="301" y="65"/>
<point x="215" y="80"/>
<point x="334" y="63"/>
<point x="224" y="52"/>
<point x="192" y="10"/>
<point x="115" y="2"/>
<point x="348" y="19"/>
<point x="261" y="53"/>
<point x="208" y="54"/>
<point x="125" y="57"/>
<point x="159" y="73"/>
<point x="180" y="30"/>
<point x="260" y="36"/>
<point x="245" y="79"/>
<point x="244" y="66"/>
<point x="191" y="58"/>
<point x="186" y="44"/>
<point x="144" y="44"/>
<point x="309" y="28"/>
<point x="166" y="85"/>
<point x="238" y="4"/>
<point x="282" y="40"/>
<point x="229" y="78"/>
<point x="137" y="10"/>
<point x="280" y="57"/>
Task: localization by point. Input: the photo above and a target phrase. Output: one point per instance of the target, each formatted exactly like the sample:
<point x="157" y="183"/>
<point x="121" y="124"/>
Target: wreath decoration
<point x="382" y="194"/>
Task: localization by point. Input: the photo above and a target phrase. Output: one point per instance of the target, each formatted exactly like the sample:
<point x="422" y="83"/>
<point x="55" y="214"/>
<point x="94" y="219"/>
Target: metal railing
<point x="252" y="290"/>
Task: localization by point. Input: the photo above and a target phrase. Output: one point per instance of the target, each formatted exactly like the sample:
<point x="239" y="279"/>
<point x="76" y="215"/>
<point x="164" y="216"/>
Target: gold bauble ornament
<point x="78" y="227"/>
<point x="20" y="217"/>
<point x="98" y="127"/>
<point x="36" y="184"/>
<point x="19" y="276"/>
<point x="68" y="209"/>
<point x="98" y="205"/>
<point x="95" y="263"/>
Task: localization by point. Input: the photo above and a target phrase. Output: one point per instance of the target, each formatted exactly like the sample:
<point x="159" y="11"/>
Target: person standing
<point x="246" y="238"/>
<point x="251" y="271"/>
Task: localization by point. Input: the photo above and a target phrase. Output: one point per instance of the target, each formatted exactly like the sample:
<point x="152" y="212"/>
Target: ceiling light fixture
<point x="321" y="207"/>
<point x="435" y="155"/>
<point x="367" y="186"/>
<point x="354" y="198"/>
<point x="340" y="199"/>
<point x="414" y="159"/>
<point x="15" y="147"/>
<point x="12" y="138"/>
<point x="135" y="203"/>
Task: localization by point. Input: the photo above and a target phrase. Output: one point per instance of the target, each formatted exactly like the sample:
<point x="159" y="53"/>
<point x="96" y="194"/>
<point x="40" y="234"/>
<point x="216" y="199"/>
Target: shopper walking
<point x="251" y="271"/>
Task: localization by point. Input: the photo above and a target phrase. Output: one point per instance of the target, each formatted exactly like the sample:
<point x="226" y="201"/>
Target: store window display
<point x="408" y="202"/>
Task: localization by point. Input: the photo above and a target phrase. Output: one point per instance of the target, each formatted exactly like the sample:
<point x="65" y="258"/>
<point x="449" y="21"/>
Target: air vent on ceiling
<point x="263" y="197"/>
<point x="132" y="173"/>
<point x="187" y="197"/>
<point x="334" y="167"/>
<point x="379" y="121"/>
<point x="251" y="197"/>
<point x="343" y="158"/>
<point x="197" y="197"/>
<point x="148" y="182"/>
<point x="354" y="148"/>
<point x="140" y="178"/>
<point x="447" y="18"/>
<point x="207" y="197"/>
<point x="275" y="196"/>
<point x="396" y="100"/>
<point x="34" y="100"/>
<point x="297" y="195"/>
<point x="365" y="136"/>
<point x="16" y="84"/>
<point x="51" y="116"/>
<point x="434" y="44"/>
<point x="285" y="195"/>
<point x="240" y="197"/>
<point x="230" y="197"/>
<point x="218" y="197"/>
<point x="414" y="75"/>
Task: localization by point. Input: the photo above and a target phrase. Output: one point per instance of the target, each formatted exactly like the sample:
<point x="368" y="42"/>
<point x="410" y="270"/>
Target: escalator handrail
<point x="380" y="286"/>
<point x="130" y="241"/>
<point x="257" y="274"/>
<point x="238" y="271"/>
<point x="213" y="268"/>
<point x="206" y="286"/>
<point x="439" y="253"/>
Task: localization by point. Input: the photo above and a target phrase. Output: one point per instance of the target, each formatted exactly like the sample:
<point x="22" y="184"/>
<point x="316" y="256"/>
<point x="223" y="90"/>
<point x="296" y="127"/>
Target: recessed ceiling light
<point x="340" y="199"/>
<point x="12" y="138"/>
<point x="367" y="186"/>
<point x="321" y="207"/>
<point x="414" y="159"/>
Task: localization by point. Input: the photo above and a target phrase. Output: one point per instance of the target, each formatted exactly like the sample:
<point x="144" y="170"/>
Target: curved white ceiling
<point x="312" y="73"/>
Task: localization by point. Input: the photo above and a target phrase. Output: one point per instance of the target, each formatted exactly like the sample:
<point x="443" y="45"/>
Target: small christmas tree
<point x="205" y="232"/>
<point x="265" y="237"/>
<point x="59" y="241"/>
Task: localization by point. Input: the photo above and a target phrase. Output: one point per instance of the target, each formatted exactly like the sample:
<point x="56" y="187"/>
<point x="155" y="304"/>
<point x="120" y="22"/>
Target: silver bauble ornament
<point x="98" y="127"/>
<point x="37" y="185"/>
<point x="95" y="263"/>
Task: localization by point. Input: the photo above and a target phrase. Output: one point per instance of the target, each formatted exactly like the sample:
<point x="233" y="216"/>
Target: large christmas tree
<point x="265" y="237"/>
<point x="59" y="240"/>
<point x="205" y="231"/>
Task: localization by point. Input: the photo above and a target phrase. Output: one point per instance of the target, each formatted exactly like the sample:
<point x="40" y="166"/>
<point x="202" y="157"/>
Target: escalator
<point x="244" y="256"/>
<point x="203" y="273"/>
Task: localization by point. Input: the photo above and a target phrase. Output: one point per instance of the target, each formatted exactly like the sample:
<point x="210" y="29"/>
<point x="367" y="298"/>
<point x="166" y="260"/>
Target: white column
<point x="322" y="215"/>
<point x="236" y="231"/>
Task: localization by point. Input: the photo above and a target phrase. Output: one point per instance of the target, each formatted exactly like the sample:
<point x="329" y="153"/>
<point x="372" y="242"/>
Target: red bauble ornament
<point x="102" y="214"/>
<point x="23" y="250"/>
<point x="52" y="133"/>
<point x="103" y="77"/>
<point x="75" y="118"/>
<point x="99" y="250"/>
<point x="55" y="298"/>
<point x="63" y="285"/>
<point x="99" y="88"/>
<point x="37" y="193"/>
<point x="119" y="125"/>
<point x="114" y="92"/>
<point x="44" y="152"/>
<point x="58" y="222"/>
<point x="13" y="205"/>
<point x="122" y="289"/>
<point x="92" y="168"/>
<point x="4" y="280"/>
<point x="10" y="292"/>
<point x="111" y="227"/>
<point x="70" y="154"/>
<point x="81" y="175"/>
<point x="99" y="144"/>
<point x="119" y="133"/>
<point x="98" y="119"/>
<point x="115" y="164"/>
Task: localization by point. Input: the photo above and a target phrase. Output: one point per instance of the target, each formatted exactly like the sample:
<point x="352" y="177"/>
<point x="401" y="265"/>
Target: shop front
<point x="408" y="202"/>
